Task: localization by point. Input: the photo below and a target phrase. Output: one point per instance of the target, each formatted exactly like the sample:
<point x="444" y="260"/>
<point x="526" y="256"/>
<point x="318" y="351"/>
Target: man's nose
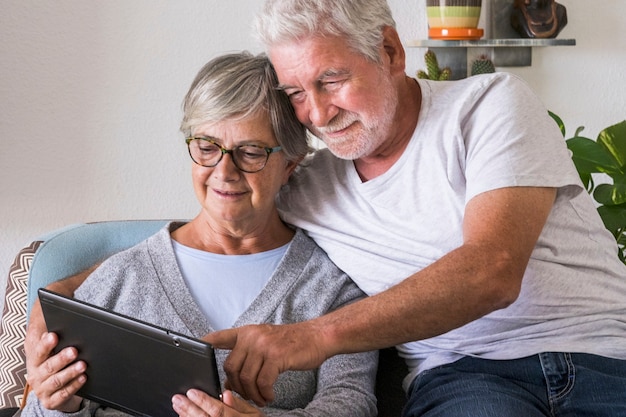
<point x="321" y="109"/>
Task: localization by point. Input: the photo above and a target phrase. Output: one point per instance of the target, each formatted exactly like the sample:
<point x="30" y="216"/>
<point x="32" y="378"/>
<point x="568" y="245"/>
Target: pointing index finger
<point x="223" y="339"/>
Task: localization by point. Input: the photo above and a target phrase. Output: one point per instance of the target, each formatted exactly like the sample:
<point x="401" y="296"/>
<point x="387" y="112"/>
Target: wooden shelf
<point x="459" y="55"/>
<point x="506" y="49"/>
<point x="489" y="43"/>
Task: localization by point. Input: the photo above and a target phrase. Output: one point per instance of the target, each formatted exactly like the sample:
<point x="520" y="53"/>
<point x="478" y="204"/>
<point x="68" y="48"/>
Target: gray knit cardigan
<point x="145" y="282"/>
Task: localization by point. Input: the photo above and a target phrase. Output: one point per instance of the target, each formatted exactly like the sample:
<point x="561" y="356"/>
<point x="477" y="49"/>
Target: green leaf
<point x="610" y="194"/>
<point x="578" y="130"/>
<point x="590" y="157"/>
<point x="621" y="237"/>
<point x="558" y="121"/>
<point x="613" y="139"/>
<point x="587" y="180"/>
<point x="614" y="218"/>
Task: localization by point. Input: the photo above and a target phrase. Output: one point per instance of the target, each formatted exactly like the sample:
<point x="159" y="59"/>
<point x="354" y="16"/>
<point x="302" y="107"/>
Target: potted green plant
<point x="606" y="155"/>
<point x="453" y="19"/>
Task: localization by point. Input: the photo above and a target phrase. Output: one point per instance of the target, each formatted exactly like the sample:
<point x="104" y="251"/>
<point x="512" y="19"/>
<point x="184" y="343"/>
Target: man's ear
<point x="393" y="50"/>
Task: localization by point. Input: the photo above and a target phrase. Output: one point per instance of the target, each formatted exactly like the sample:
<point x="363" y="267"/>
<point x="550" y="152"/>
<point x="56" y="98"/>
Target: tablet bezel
<point x="142" y="381"/>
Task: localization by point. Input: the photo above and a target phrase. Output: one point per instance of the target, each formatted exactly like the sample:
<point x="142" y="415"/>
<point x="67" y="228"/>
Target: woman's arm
<point x="345" y="387"/>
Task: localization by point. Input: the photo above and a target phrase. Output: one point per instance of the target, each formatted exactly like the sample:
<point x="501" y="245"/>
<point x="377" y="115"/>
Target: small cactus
<point x="433" y="72"/>
<point x="445" y="74"/>
<point x="432" y="65"/>
<point x="482" y="65"/>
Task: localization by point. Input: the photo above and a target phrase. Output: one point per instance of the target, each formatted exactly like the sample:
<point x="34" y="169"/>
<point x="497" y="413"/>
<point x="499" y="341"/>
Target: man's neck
<point x="383" y="158"/>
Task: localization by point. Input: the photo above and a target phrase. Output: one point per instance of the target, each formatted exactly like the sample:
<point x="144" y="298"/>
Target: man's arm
<point x="49" y="376"/>
<point x="500" y="230"/>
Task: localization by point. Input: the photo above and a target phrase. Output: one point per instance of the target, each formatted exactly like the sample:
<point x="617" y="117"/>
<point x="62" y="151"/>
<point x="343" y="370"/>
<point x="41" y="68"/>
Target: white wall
<point x="90" y="95"/>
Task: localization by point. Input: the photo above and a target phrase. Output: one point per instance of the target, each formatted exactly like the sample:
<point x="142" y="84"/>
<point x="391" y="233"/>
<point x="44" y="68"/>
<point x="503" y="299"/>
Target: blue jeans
<point x="543" y="385"/>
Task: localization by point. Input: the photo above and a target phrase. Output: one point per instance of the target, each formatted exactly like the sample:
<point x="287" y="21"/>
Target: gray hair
<point x="360" y="22"/>
<point x="238" y="86"/>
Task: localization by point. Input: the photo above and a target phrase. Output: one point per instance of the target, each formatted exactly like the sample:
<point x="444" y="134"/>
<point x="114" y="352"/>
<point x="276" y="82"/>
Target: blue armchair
<point x="74" y="248"/>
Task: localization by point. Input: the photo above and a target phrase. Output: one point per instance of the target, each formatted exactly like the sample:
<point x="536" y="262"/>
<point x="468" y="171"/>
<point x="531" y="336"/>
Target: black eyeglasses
<point x="247" y="158"/>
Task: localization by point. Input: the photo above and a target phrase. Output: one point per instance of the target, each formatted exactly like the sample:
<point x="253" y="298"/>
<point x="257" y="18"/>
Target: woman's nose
<point x="226" y="168"/>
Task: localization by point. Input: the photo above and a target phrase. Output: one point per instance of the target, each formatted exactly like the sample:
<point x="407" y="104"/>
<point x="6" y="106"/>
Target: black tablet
<point x="132" y="366"/>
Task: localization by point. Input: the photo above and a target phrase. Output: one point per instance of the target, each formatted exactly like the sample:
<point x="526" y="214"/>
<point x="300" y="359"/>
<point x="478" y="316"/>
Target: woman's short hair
<point x="360" y="22"/>
<point x="240" y="85"/>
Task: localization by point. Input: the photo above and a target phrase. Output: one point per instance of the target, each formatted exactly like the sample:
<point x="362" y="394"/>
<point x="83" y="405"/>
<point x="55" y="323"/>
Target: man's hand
<point x="198" y="403"/>
<point x="261" y="352"/>
<point x="55" y="379"/>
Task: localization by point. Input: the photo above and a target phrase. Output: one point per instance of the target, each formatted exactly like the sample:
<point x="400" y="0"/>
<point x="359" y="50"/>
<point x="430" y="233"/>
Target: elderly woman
<point x="235" y="263"/>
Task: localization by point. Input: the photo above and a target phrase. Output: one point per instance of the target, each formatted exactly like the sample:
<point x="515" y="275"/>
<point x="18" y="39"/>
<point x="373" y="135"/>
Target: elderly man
<point x="456" y="206"/>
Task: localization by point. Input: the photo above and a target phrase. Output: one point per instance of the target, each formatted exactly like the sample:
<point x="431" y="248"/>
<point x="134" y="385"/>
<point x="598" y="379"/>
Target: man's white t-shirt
<point x="474" y="135"/>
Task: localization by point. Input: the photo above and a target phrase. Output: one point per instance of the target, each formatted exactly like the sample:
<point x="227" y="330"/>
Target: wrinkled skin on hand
<point x="50" y="377"/>
<point x="55" y="378"/>
<point x="199" y="404"/>
<point x="261" y="352"/>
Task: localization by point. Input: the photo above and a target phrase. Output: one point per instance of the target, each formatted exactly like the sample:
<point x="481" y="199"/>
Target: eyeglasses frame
<point x="224" y="151"/>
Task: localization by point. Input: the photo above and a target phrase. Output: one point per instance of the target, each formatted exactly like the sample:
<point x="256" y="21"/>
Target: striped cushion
<point x="13" y="330"/>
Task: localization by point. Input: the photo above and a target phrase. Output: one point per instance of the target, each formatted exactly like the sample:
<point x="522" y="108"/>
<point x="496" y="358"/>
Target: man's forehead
<point x="310" y="61"/>
<point x="310" y="47"/>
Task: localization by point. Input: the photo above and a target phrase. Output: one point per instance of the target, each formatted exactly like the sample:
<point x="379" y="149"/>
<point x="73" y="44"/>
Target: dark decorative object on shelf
<point x="538" y="18"/>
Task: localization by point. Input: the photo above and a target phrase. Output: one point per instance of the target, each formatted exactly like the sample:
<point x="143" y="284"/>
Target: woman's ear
<point x="290" y="167"/>
<point x="394" y="51"/>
